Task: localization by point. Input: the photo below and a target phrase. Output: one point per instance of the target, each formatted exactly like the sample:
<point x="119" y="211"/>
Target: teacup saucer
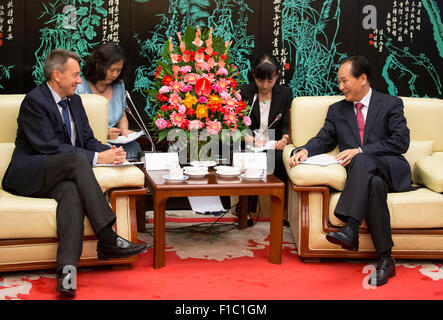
<point x="203" y="163"/>
<point x="172" y="179"/>
<point x="196" y="174"/>
<point x="228" y="174"/>
<point x="259" y="177"/>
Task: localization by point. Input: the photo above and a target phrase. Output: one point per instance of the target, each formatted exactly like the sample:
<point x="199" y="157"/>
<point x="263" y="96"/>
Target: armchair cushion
<point x="27" y="218"/>
<point x="418" y="150"/>
<point x="419" y="209"/>
<point x="429" y="172"/>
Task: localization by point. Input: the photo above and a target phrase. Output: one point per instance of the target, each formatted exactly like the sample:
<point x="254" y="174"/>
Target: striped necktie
<point x="66" y="119"/>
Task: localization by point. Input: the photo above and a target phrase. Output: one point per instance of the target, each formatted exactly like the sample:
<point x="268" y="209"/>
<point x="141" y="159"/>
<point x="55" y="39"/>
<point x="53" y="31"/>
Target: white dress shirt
<point x="364" y="110"/>
<point x="365" y="102"/>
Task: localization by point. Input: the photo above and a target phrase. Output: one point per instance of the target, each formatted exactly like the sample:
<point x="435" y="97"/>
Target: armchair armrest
<point x="333" y="175"/>
<point x="429" y="172"/>
<point x="119" y="177"/>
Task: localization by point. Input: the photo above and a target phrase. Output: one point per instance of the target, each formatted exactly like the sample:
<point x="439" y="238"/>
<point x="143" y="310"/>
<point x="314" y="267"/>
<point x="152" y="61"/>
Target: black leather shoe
<point x="63" y="285"/>
<point x="344" y="237"/>
<point x="385" y="269"/>
<point x="121" y="249"/>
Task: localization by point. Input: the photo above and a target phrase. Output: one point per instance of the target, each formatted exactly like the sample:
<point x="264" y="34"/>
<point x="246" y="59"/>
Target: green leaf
<point x="102" y="11"/>
<point x="82" y="11"/>
<point x="162" y="134"/>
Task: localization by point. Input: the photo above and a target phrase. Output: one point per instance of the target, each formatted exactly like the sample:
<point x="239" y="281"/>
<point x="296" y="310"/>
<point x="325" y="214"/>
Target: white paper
<point x="269" y="145"/>
<point x="245" y="160"/>
<point x="160" y="160"/>
<point x="117" y="165"/>
<point x="206" y="204"/>
<point x="123" y="139"/>
<point x="321" y="160"/>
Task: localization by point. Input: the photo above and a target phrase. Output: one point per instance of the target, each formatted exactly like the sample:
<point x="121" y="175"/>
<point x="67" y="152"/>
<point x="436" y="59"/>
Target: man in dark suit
<point x="54" y="150"/>
<point x="370" y="130"/>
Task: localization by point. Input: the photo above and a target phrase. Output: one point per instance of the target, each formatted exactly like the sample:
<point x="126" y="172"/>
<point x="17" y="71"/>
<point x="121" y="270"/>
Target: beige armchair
<point x="28" y="235"/>
<point x="416" y="216"/>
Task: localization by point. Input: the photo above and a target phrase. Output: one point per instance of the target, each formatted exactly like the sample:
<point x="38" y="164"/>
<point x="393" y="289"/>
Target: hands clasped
<point x="112" y="156"/>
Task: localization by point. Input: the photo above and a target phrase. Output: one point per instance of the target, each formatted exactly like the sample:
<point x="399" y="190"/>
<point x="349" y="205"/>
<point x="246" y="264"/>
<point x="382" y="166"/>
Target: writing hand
<point x="126" y="132"/>
<point x="281" y="144"/>
<point x="113" y="133"/>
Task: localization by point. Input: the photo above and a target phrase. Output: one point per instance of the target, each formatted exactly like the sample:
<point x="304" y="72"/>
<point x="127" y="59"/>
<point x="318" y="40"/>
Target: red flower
<point x="162" y="97"/>
<point x="233" y="83"/>
<point x="157" y="72"/>
<point x="223" y="57"/>
<point x="241" y="106"/>
<point x="203" y="87"/>
<point x="167" y="80"/>
<point x="185" y="124"/>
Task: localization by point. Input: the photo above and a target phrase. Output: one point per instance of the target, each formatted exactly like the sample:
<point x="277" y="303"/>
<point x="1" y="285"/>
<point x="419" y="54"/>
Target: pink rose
<point x="222" y="71"/>
<point x="160" y="123"/>
<point x="195" y="124"/>
<point x="164" y="89"/>
<point x="185" y="69"/>
<point x="202" y="99"/>
<point x="247" y="121"/>
<point x="187" y="88"/>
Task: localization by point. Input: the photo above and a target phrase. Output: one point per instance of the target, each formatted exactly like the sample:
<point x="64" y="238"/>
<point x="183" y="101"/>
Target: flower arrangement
<point x="196" y="87"/>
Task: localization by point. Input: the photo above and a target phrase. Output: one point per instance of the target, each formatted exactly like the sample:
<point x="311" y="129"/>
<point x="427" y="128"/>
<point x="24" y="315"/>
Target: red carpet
<point x="232" y="266"/>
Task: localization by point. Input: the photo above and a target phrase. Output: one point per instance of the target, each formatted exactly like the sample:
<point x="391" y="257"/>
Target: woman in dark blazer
<point x="270" y="104"/>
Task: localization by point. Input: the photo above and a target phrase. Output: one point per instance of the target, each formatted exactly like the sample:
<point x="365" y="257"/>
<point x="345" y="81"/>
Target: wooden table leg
<point x="243" y="212"/>
<point x="141" y="213"/>
<point x="159" y="230"/>
<point x="276" y="232"/>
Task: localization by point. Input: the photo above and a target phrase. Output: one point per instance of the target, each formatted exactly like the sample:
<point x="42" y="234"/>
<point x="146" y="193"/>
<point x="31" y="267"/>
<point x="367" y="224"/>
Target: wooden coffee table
<point x="213" y="185"/>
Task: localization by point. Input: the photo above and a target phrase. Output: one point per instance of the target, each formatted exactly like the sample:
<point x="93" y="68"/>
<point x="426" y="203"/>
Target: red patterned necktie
<point x="360" y="120"/>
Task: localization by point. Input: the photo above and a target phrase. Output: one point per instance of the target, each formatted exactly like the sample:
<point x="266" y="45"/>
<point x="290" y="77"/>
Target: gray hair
<point x="56" y="60"/>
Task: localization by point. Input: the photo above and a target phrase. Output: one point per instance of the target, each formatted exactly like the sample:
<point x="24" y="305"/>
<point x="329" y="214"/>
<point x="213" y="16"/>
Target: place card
<point x="245" y="160"/>
<point x="160" y="160"/>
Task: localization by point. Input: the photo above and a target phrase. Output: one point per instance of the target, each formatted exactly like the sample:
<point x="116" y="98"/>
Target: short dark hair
<point x="265" y="67"/>
<point x="100" y="59"/>
<point x="56" y="60"/>
<point x="359" y="65"/>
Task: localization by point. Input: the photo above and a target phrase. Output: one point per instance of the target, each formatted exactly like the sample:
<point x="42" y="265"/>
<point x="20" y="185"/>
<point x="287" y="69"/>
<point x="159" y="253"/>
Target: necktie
<point x="65" y="113"/>
<point x="360" y="120"/>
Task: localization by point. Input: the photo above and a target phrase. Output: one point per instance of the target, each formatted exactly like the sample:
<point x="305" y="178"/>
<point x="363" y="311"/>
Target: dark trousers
<point x="364" y="197"/>
<point x="69" y="180"/>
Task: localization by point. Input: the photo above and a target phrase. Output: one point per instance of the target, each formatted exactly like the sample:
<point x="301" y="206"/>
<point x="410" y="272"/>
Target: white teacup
<point x="253" y="172"/>
<point x="176" y="173"/>
<point x="228" y="170"/>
